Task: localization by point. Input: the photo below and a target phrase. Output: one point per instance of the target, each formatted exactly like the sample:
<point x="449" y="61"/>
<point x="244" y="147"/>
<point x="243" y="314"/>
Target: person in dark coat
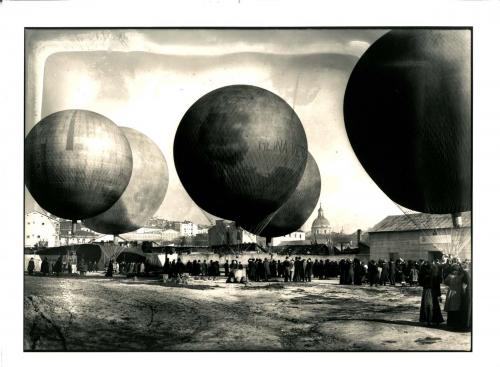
<point x="446" y="269"/>
<point x="321" y="270"/>
<point x="197" y="267"/>
<point x="430" y="312"/>
<point x="226" y="268"/>
<point x="342" y="269"/>
<point x="272" y="267"/>
<point x="210" y="269"/>
<point x="315" y="268"/>
<point x="279" y="267"/>
<point x="70" y="267"/>
<point x="454" y="298"/>
<point x="267" y="270"/>
<point x="335" y="269"/>
<point x="58" y="266"/>
<point x="327" y="273"/>
<point x="31" y="266"/>
<point x="204" y="268"/>
<point x="166" y="266"/>
<point x="349" y="272"/>
<point x="180" y="268"/>
<point x="295" y="275"/>
<point x="384" y="276"/>
<point x="301" y="270"/>
<point x="358" y="272"/>
<point x="392" y="272"/>
<point x="45" y="266"/>
<point x="286" y="269"/>
<point x="309" y="270"/>
<point x="261" y="270"/>
<point x="109" y="272"/>
<point x="217" y="268"/>
<point x="372" y="273"/>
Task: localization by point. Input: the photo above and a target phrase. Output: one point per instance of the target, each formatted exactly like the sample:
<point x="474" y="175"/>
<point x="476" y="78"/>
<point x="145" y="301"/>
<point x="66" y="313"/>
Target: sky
<point x="147" y="79"/>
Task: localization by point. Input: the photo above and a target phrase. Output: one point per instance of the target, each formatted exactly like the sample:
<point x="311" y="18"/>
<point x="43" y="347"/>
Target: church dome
<point x="321" y="224"/>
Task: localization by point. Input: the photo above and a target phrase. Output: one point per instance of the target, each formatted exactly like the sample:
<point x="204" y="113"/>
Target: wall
<point x="410" y="245"/>
<point x="40" y="228"/>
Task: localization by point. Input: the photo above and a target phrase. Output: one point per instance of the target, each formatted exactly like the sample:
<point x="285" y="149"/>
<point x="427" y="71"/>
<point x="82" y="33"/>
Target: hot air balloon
<point x="297" y="209"/>
<point x="77" y="163"/>
<point x="145" y="191"/>
<point x="240" y="152"/>
<point x="407" y="111"/>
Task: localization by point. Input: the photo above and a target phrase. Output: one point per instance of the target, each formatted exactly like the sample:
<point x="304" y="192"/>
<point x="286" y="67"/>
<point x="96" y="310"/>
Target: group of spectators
<point x="429" y="275"/>
<point x="456" y="276"/>
<point x="46" y="268"/>
<point x="194" y="268"/>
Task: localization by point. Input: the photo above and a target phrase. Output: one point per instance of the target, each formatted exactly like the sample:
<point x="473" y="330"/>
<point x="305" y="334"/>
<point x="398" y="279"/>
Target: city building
<point x="41" y="230"/>
<point x="420" y="236"/>
<point x="81" y="235"/>
<point x="170" y="234"/>
<point x="151" y="235"/>
<point x="226" y="233"/>
<point x="188" y="229"/>
<point x="289" y="239"/>
<point x="321" y="225"/>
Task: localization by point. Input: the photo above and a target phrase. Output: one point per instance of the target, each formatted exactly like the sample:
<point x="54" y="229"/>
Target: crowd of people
<point x="428" y="275"/>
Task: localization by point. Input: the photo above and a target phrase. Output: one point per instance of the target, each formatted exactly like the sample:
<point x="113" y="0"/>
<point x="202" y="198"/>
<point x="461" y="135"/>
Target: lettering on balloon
<point x="281" y="146"/>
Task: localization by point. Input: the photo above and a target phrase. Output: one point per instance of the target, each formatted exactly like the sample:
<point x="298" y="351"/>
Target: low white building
<point x="40" y="230"/>
<point x="421" y="236"/>
<point x="151" y="234"/>
<point x="170" y="234"/>
<point x="289" y="238"/>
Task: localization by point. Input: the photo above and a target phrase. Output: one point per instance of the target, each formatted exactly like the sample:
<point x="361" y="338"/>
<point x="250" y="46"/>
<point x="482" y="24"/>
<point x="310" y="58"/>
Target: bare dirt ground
<point x="99" y="314"/>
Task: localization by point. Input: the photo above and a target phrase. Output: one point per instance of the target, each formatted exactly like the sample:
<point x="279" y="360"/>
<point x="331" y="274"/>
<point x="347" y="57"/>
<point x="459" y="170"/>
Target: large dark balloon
<point x="407" y="111"/>
<point x="298" y="208"/>
<point x="144" y="193"/>
<point x="77" y="163"/>
<point x="240" y="151"/>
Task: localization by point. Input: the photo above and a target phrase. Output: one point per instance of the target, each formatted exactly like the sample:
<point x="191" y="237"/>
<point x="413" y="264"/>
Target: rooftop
<point x="418" y="221"/>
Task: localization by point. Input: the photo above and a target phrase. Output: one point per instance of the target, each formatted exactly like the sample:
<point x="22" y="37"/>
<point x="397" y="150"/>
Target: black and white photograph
<point x="273" y="189"/>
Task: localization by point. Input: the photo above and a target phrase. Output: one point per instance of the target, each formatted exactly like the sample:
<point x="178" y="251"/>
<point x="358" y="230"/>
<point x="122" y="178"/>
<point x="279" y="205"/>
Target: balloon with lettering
<point x="407" y="111"/>
<point x="77" y="163"/>
<point x="298" y="208"/>
<point x="240" y="152"/>
<point x="145" y="191"/>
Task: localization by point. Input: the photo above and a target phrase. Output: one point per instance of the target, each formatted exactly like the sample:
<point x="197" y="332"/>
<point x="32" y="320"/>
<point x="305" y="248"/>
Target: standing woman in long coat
<point x="455" y="283"/>
<point x="45" y="266"/>
<point x="430" y="312"/>
<point x="31" y="266"/>
<point x="109" y="272"/>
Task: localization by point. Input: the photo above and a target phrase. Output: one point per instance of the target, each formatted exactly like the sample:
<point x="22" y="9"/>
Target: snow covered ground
<point x="99" y="314"/>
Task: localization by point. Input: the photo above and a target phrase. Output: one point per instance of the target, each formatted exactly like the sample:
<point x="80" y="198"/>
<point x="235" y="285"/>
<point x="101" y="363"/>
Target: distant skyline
<point x="147" y="79"/>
